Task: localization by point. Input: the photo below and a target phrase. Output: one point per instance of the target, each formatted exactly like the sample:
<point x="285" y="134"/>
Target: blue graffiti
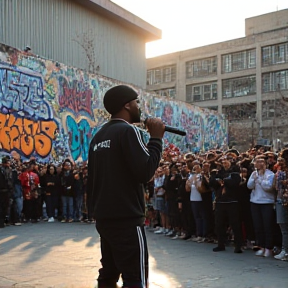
<point x="22" y="91"/>
<point x="80" y="135"/>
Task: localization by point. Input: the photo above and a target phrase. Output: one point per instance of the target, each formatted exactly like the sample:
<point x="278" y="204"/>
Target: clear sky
<point x="188" y="24"/>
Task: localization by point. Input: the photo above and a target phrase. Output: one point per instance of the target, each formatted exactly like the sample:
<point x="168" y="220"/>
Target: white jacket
<point x="262" y="187"/>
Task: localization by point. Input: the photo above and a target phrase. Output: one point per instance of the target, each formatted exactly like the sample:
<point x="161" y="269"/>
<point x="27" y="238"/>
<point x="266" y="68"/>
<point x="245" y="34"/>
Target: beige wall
<point x="277" y="33"/>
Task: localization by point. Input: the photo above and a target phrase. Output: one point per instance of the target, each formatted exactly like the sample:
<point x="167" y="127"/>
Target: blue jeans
<point x="78" y="207"/>
<point x="67" y="202"/>
<point x="200" y="218"/>
<point x="18" y="198"/>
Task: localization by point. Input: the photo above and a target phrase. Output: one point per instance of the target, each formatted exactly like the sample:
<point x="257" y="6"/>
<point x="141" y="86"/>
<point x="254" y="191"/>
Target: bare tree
<point x="86" y="41"/>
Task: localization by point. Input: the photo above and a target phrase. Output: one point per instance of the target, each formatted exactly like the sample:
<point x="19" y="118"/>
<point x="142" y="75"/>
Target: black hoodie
<point x="232" y="179"/>
<point x="118" y="164"/>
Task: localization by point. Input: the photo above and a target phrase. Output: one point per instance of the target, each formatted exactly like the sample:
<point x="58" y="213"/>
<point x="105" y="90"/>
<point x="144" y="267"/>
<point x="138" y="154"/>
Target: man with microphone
<point x="119" y="164"/>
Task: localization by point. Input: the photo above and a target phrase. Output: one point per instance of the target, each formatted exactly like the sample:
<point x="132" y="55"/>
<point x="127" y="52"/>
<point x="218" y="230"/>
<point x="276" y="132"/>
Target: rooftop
<point x="123" y="17"/>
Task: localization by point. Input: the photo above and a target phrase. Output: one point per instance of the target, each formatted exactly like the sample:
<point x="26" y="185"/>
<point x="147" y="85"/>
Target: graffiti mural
<point x="51" y="111"/>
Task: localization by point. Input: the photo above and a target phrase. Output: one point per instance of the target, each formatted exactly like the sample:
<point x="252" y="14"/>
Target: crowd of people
<point x="223" y="197"/>
<point x="33" y="192"/>
<point x="215" y="197"/>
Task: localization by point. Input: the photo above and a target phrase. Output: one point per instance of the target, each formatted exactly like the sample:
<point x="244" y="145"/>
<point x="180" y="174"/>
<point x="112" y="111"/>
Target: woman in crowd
<point x="262" y="206"/>
<point x="171" y="186"/>
<point x="281" y="184"/>
<point x="51" y="181"/>
<point x="196" y="203"/>
<point x="67" y="180"/>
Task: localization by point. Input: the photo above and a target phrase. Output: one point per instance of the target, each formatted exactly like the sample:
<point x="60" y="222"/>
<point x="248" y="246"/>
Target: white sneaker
<point x="182" y="236"/>
<point x="202" y="240"/>
<point x="160" y="231"/>
<point x="196" y="239"/>
<point x="268" y="253"/>
<point x="51" y="219"/>
<point x="260" y="252"/>
<point x="169" y="233"/>
<point x="175" y="237"/>
<point x="285" y="258"/>
<point x="281" y="255"/>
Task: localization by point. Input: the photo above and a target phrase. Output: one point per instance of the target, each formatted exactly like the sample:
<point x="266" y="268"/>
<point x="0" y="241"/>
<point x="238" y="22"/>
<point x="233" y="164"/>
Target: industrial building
<point x="245" y="78"/>
<point x="94" y="35"/>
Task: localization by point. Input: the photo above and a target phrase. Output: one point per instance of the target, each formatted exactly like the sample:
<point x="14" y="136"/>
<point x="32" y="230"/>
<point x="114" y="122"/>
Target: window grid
<point x="274" y="81"/>
<point x="275" y="54"/>
<point x="201" y="92"/>
<point x="239" y="87"/>
<point x="161" y="75"/>
<point x="239" y="61"/>
<point x="169" y="93"/>
<point x="201" y="68"/>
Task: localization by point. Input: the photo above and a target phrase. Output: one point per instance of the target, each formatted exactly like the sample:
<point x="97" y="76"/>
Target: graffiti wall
<point x="51" y="111"/>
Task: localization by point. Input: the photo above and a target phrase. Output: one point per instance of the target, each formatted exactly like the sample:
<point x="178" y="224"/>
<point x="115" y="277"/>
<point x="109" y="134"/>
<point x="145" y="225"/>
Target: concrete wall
<point x="267" y="22"/>
<point x="51" y="111"/>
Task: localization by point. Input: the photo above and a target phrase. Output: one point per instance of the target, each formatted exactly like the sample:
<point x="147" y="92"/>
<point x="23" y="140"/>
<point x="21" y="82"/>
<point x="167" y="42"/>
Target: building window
<point x="161" y="75"/>
<point x="274" y="81"/>
<point x="275" y="54"/>
<point x="169" y="93"/>
<point x="201" y="92"/>
<point x="201" y="68"/>
<point x="239" y="61"/>
<point x="239" y="87"/>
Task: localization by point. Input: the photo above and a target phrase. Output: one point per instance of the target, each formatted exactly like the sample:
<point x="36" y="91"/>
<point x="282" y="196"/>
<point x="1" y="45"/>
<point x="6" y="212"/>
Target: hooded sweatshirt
<point x="119" y="164"/>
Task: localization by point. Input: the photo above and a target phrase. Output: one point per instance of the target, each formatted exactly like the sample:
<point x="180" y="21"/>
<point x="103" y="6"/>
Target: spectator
<point x="281" y="183"/>
<point x="6" y="189"/>
<point x="160" y="200"/>
<point x="171" y="187"/>
<point x="262" y="206"/>
<point x="225" y="183"/>
<point x="51" y="181"/>
<point x="30" y="183"/>
<point x="192" y="183"/>
<point x="78" y="196"/>
<point x="67" y="180"/>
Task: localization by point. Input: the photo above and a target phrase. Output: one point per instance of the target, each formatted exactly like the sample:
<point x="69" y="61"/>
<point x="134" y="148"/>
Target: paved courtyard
<point x="63" y="255"/>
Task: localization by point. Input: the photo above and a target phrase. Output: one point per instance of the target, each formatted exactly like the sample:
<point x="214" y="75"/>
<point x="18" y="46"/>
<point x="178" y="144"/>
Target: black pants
<point x="188" y="218"/>
<point x="124" y="252"/>
<point x="246" y="218"/>
<point x="264" y="220"/>
<point x="4" y="205"/>
<point x="51" y="204"/>
<point x="230" y="211"/>
<point x="30" y="209"/>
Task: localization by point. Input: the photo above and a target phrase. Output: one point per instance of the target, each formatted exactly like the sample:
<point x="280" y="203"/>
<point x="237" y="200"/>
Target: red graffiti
<point x="26" y="136"/>
<point x="76" y="100"/>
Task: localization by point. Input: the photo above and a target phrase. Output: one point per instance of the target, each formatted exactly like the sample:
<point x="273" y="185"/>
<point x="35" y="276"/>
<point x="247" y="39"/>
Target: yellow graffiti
<point x="25" y="135"/>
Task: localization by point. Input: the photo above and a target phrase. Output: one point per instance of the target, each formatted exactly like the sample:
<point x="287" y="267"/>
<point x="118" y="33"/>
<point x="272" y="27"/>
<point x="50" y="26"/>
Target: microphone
<point x="171" y="129"/>
<point x="175" y="130"/>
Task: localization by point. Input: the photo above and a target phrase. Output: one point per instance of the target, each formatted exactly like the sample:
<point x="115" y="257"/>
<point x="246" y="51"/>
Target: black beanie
<point x="116" y="97"/>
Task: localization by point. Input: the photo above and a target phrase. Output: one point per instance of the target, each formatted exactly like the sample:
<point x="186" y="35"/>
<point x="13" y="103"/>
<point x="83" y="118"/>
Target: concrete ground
<point x="66" y="255"/>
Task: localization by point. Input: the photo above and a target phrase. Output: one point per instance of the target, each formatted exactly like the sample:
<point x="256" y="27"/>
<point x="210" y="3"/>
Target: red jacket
<point x="30" y="182"/>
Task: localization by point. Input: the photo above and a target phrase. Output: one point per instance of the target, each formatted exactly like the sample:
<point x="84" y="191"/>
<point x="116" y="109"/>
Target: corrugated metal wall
<point x="49" y="27"/>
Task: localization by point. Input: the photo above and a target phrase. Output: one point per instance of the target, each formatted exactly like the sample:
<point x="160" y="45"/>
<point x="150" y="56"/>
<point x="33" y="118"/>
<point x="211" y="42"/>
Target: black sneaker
<point x="219" y="248"/>
<point x="238" y="250"/>
<point x="187" y="237"/>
